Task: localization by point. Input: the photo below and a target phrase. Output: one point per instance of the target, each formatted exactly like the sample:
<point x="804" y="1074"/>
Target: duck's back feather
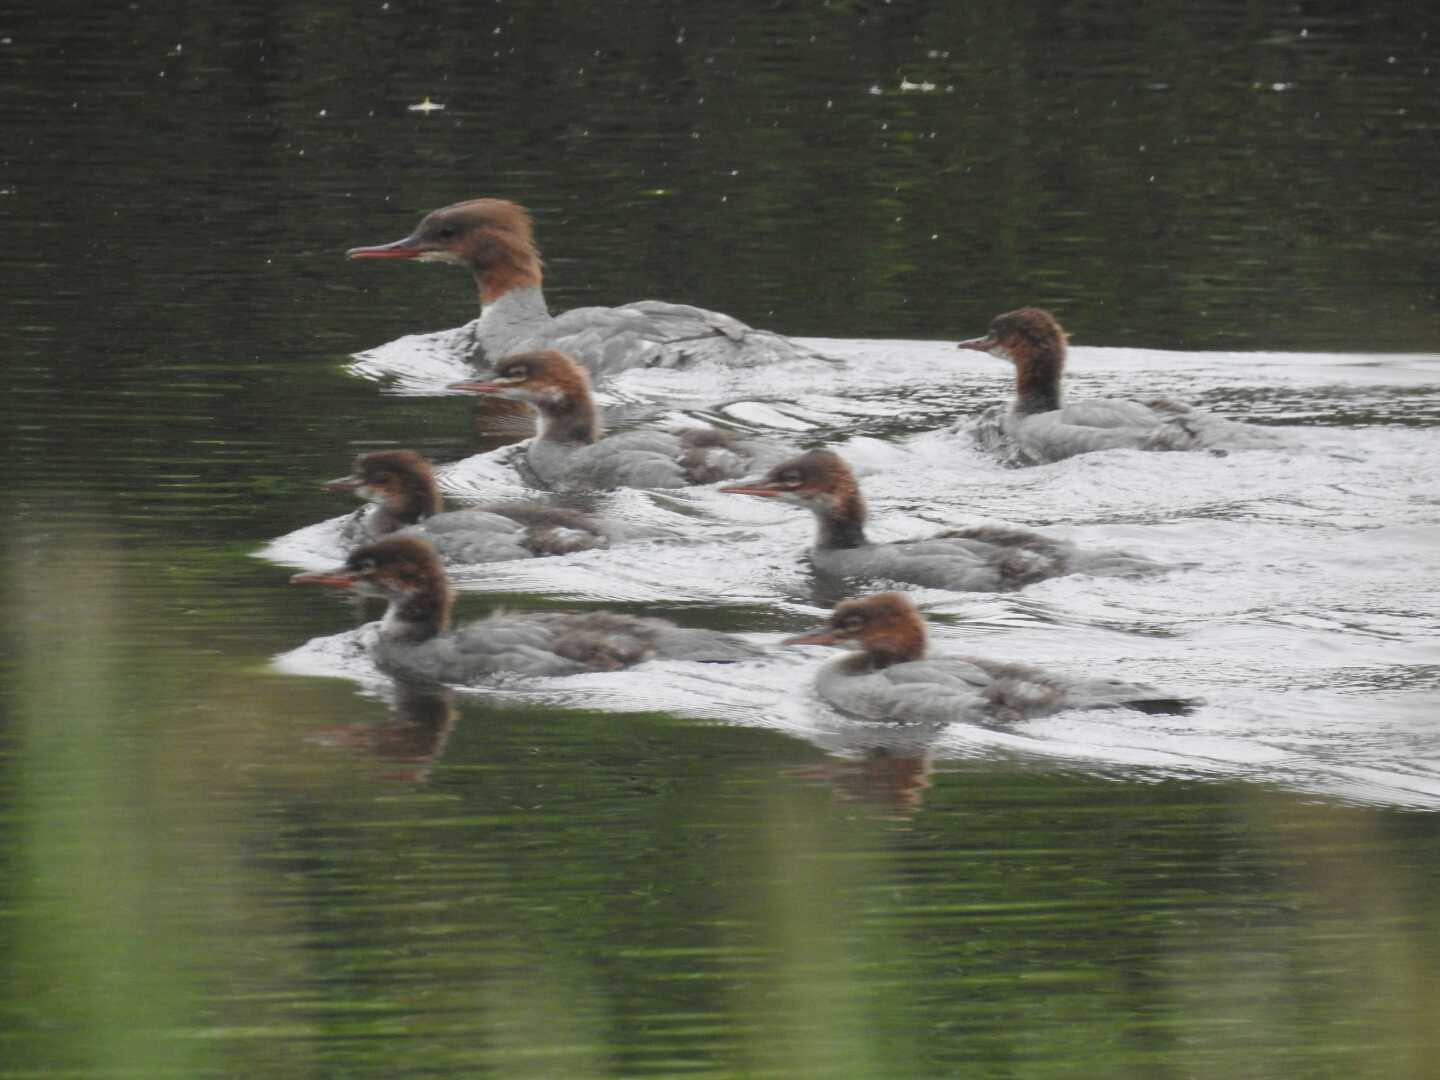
<point x="985" y="558"/>
<point x="556" y="643"/>
<point x="1082" y="427"/>
<point x="653" y="333"/>
<point x="976" y="690"/>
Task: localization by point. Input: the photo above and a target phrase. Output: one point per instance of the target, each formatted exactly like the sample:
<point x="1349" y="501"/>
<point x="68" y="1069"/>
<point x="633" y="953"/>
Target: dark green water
<point x="208" y="869"/>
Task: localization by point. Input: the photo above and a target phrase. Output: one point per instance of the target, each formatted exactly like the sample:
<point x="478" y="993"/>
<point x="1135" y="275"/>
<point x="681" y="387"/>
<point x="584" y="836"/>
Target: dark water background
<point x="211" y="869"/>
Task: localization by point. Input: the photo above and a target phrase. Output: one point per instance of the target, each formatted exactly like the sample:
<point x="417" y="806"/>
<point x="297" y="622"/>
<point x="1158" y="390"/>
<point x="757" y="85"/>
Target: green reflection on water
<point x="213" y="873"/>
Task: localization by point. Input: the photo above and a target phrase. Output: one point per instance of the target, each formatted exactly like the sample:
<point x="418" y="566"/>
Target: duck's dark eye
<point x="791" y="478"/>
<point x="513" y="373"/>
<point x="447" y="232"/>
<point x="365" y="565"/>
<point x="852" y="622"/>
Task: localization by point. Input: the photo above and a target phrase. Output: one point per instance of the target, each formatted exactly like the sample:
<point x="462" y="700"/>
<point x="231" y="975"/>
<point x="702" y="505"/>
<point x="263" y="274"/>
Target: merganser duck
<point x="890" y="678"/>
<point x="983" y="558"/>
<point x="414" y="639"/>
<point x="401" y="485"/>
<point x="1036" y="428"/>
<point x="569" y="452"/>
<point x="494" y="239"/>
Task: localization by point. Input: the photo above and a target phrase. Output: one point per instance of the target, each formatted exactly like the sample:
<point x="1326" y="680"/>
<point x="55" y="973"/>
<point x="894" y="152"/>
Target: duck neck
<point x="417" y="616"/>
<point x="569" y="419"/>
<point x="416" y="503"/>
<point x="509" y="319"/>
<point x="1037" y="379"/>
<point x="510" y="270"/>
<point x="840" y="522"/>
<point x="899" y="646"/>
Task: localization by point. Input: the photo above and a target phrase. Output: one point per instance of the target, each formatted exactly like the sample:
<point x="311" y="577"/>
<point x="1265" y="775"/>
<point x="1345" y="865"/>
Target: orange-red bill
<point x="823" y="636"/>
<point x="751" y="489"/>
<point x="339" y="577"/>
<point x="400" y="249"/>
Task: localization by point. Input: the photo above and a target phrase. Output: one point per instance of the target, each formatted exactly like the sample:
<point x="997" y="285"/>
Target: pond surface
<point x="229" y="849"/>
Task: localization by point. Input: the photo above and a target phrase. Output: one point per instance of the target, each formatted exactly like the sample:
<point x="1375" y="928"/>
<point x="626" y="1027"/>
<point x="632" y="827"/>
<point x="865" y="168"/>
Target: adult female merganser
<point x="983" y="558"/>
<point x="402" y="486"/>
<point x="414" y="639"/>
<point x="569" y="451"/>
<point x="493" y="237"/>
<point x="890" y="679"/>
<point x="1036" y="428"/>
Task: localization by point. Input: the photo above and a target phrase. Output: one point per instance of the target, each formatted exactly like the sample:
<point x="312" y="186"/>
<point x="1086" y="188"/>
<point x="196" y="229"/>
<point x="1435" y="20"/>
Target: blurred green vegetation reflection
<point x="215" y="872"/>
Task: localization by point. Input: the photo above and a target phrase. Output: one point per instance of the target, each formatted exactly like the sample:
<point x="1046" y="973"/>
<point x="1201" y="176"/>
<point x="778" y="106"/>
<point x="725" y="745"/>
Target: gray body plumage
<point x="550" y="643"/>
<point x="500" y="532"/>
<point x="648" y="459"/>
<point x="1080" y="427"/>
<point x="973" y="689"/>
<point x="648" y="333"/>
<point x="980" y="559"/>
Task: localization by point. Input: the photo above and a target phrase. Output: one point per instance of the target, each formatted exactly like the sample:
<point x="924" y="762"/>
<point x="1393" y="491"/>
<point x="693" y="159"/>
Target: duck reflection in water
<point x="890" y="776"/>
<point x="411" y="740"/>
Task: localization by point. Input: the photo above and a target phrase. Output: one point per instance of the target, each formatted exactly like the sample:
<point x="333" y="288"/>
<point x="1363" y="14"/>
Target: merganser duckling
<point x="890" y="678"/>
<point x="494" y="239"/>
<point x="1036" y="428"/>
<point x="984" y="558"/>
<point x="401" y="485"/>
<point x="569" y="452"/>
<point x="414" y="639"/>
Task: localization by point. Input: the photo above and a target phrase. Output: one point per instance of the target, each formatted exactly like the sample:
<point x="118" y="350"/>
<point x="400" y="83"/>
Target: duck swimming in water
<point x="891" y="679"/>
<point x="1037" y="428"/>
<point x="414" y="639"/>
<point x="570" y="453"/>
<point x="985" y="558"/>
<point x="493" y="238"/>
<point x="401" y="485"/>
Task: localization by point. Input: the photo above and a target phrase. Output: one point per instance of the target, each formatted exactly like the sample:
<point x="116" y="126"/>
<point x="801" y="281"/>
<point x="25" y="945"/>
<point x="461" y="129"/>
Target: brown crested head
<point x="1017" y="335"/>
<point x="817" y="479"/>
<point x="544" y="378"/>
<point x="399" y="480"/>
<point x="493" y="237"/>
<point x="1032" y="340"/>
<point x="393" y="566"/>
<point x="885" y="626"/>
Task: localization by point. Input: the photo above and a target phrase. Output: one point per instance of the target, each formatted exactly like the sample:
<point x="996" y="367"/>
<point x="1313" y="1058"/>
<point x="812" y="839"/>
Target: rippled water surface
<point x="231" y="847"/>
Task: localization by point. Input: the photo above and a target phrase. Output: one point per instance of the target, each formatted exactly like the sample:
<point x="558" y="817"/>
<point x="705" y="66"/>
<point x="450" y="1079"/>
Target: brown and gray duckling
<point x="984" y="558"/>
<point x="571" y="452"/>
<point x="1037" y="427"/>
<point x="891" y="677"/>
<point x="415" y="639"/>
<point x="401" y="486"/>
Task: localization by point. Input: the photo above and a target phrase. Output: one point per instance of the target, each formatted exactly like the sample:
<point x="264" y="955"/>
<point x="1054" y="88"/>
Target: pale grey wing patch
<point x="641" y="459"/>
<point x="653" y="333"/>
<point x="1112" y="424"/>
<point x="508" y="643"/>
<point x="913" y="692"/>
<point x="958" y="569"/>
<point x="705" y="646"/>
<point x="470" y="536"/>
